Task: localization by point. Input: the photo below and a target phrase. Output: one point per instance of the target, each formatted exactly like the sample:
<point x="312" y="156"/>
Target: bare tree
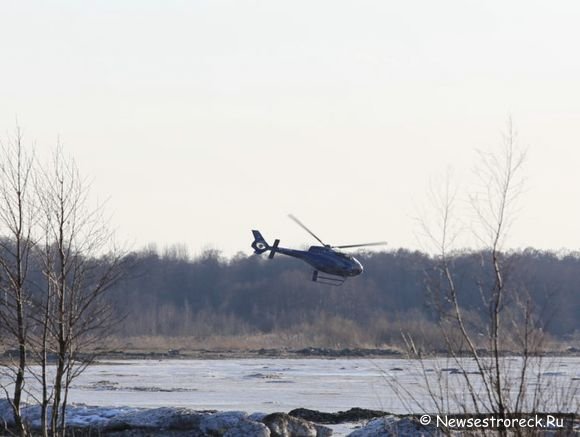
<point x="16" y="246"/>
<point x="47" y="224"/>
<point x="80" y="263"/>
<point x="477" y="345"/>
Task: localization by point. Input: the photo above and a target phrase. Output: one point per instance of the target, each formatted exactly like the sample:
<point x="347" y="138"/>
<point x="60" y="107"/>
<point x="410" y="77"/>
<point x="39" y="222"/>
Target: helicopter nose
<point x="358" y="268"/>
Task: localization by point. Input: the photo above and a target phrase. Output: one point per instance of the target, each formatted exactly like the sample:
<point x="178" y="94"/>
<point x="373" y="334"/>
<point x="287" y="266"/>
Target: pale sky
<point x="202" y="120"/>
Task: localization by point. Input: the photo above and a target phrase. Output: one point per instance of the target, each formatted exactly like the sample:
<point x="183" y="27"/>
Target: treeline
<point x="172" y="295"/>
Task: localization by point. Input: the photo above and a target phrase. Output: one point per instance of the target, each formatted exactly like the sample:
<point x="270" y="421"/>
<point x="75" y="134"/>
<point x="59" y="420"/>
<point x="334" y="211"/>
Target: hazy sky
<point x="201" y="120"/>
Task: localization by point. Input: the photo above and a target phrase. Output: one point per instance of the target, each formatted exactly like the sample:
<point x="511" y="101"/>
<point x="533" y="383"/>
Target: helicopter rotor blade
<point x="303" y="226"/>
<point x="347" y="246"/>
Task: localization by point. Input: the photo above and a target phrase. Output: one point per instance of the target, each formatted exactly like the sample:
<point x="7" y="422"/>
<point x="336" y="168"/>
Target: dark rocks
<point x="352" y="415"/>
<point x="156" y="418"/>
<point x="269" y="352"/>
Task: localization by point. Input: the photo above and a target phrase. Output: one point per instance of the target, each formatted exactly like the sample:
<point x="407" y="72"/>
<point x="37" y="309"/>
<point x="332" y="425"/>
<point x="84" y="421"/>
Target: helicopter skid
<point x="336" y="281"/>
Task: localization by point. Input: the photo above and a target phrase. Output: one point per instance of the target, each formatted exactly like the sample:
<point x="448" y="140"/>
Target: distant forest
<point x="170" y="294"/>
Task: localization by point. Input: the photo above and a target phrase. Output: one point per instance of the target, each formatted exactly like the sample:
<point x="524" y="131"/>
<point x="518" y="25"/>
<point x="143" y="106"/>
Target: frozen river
<point x="268" y="385"/>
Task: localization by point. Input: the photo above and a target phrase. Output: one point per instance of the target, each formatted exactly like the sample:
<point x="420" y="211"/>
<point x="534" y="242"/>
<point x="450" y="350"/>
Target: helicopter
<point x="336" y="265"/>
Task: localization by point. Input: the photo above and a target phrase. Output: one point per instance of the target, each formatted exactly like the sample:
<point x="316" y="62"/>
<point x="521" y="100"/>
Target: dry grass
<point x="249" y="342"/>
<point x="218" y="342"/>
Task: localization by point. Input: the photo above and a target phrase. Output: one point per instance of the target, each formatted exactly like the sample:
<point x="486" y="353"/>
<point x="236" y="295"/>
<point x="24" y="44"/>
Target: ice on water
<point x="113" y="388"/>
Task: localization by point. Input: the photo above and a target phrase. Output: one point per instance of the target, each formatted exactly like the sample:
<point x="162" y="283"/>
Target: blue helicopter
<point x="326" y="258"/>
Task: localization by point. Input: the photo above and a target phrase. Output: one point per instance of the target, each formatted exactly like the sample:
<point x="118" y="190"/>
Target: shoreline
<point x="303" y="353"/>
<point x="102" y="356"/>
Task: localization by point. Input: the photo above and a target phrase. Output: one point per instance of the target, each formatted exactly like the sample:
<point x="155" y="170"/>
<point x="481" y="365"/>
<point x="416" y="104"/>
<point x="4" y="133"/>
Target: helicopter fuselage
<point x="326" y="260"/>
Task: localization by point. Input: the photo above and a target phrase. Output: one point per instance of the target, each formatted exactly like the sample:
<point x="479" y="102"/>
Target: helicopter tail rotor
<point x="273" y="249"/>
